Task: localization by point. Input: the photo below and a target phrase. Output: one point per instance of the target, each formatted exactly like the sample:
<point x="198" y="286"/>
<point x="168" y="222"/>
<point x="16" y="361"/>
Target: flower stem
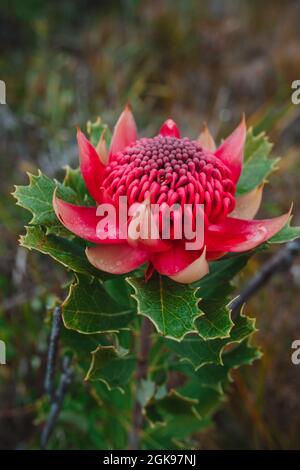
<point x="141" y="374"/>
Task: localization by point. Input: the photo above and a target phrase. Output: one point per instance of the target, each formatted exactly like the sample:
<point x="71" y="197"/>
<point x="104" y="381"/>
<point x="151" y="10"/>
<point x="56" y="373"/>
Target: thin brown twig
<point x="281" y="261"/>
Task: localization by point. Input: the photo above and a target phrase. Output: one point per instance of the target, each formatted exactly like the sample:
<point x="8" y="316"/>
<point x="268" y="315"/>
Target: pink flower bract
<point x="167" y="169"/>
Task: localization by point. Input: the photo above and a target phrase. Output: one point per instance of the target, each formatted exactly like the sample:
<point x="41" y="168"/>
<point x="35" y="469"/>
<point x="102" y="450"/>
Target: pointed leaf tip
<point x="206" y="140"/>
<point x="231" y="151"/>
<point x="92" y="168"/>
<point x="125" y="132"/>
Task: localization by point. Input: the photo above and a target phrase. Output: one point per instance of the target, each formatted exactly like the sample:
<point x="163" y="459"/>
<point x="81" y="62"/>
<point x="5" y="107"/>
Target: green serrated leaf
<point x="216" y="322"/>
<point x="111" y="366"/>
<point x="171" y="307"/>
<point x="69" y="253"/>
<point x="257" y="164"/>
<point x="242" y="354"/>
<point x="73" y="179"/>
<point x="37" y="198"/>
<point x="169" y="435"/>
<point x="286" y="234"/>
<point x="118" y="289"/>
<point x="209" y="400"/>
<point x="211" y="375"/>
<point x="242" y="329"/>
<point x="95" y="130"/>
<point x="89" y="308"/>
<point x="198" y="351"/>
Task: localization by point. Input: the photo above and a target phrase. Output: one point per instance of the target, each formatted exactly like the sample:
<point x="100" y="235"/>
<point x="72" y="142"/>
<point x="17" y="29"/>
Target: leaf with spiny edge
<point x="199" y="352"/>
<point x="73" y="179"/>
<point x="90" y="309"/>
<point x="217" y="377"/>
<point x="171" y="307"/>
<point x="286" y="234"/>
<point x="214" y="291"/>
<point x="216" y="323"/>
<point x="257" y="164"/>
<point x="172" y="403"/>
<point x="95" y="130"/>
<point x="172" y="436"/>
<point x="70" y="253"/>
<point x="111" y="365"/>
<point x="37" y="196"/>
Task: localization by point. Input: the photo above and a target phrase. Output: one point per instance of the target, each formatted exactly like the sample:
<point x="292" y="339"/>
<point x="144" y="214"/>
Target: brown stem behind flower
<point x="141" y="373"/>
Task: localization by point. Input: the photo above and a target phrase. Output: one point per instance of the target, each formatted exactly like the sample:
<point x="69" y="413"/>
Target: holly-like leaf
<point x="286" y="234"/>
<point x="217" y="377"/>
<point x="172" y="436"/>
<point x="81" y="345"/>
<point x="119" y="289"/>
<point x="208" y="399"/>
<point x="214" y="290"/>
<point x="112" y="366"/>
<point x="171" y="307"/>
<point x="95" y="130"/>
<point x="70" y="253"/>
<point x="257" y="164"/>
<point x="199" y="352"/>
<point x="216" y="321"/>
<point x="90" y="309"/>
<point x="242" y="354"/>
<point x="37" y="198"/>
<point x="73" y="179"/>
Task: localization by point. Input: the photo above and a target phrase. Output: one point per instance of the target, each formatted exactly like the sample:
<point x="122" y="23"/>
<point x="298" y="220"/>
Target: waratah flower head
<point x="166" y="170"/>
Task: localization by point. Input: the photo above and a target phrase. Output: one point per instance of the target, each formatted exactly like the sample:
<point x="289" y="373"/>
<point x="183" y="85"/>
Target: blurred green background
<point x="65" y="62"/>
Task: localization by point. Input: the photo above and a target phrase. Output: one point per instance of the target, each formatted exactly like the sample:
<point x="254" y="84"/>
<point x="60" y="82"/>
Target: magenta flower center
<point x="171" y="170"/>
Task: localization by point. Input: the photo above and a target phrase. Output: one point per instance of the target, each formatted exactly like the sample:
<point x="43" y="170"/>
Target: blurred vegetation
<point x="66" y="62"/>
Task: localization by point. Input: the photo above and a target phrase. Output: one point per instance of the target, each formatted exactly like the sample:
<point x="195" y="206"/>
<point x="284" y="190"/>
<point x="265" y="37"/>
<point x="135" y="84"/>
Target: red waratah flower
<point x="167" y="169"/>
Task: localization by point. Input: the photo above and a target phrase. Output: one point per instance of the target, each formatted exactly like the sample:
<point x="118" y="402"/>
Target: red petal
<point x="125" y="132"/>
<point x="175" y="259"/>
<point x="92" y="168"/>
<point x="116" y="259"/>
<point x="194" y="271"/>
<point x="82" y="221"/>
<point x="213" y="255"/>
<point x="231" y="151"/>
<point x="143" y="230"/>
<point x="169" y="129"/>
<point x="236" y="235"/>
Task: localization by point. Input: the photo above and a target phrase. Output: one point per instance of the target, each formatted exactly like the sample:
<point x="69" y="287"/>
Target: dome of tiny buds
<point x="171" y="170"/>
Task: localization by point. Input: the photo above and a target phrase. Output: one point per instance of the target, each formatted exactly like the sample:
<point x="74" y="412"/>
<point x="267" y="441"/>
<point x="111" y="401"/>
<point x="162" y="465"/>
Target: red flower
<point x="167" y="169"/>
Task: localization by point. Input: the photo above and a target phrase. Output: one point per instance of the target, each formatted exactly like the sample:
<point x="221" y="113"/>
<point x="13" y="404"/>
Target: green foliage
<point x="286" y="234"/>
<point x="96" y="129"/>
<point x="196" y="344"/>
<point x="70" y="253"/>
<point x="90" y="309"/>
<point x="112" y="366"/>
<point x="37" y="198"/>
<point x="257" y="164"/>
<point x="171" y="307"/>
